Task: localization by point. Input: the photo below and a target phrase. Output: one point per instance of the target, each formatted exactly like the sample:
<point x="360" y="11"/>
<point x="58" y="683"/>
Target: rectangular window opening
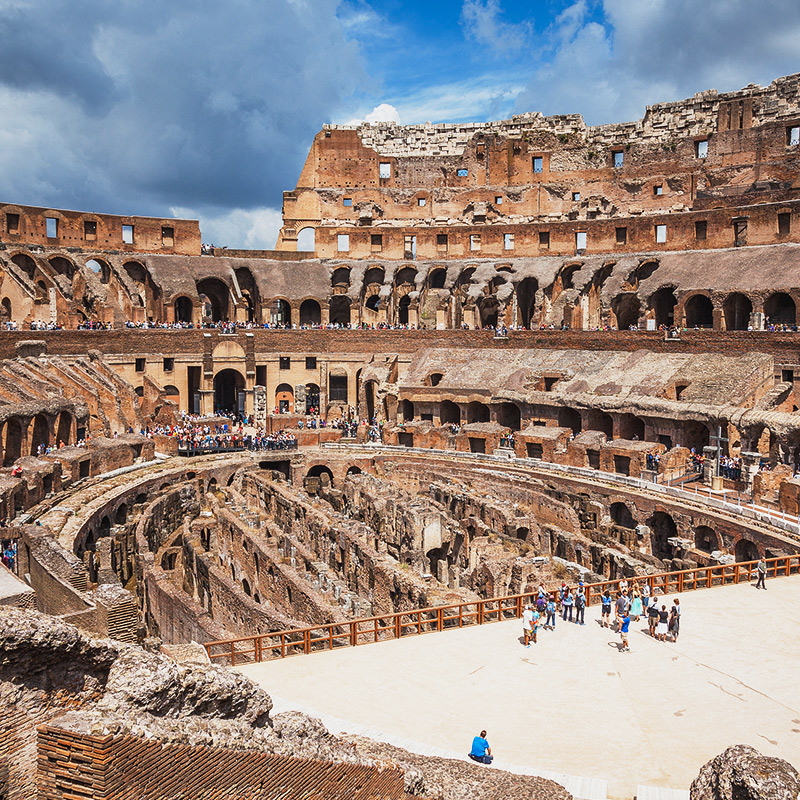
<point x="498" y="200"/>
<point x="701" y="148"/>
<point x="127" y="234"/>
<point x="311" y="362"/>
<point x="619" y="157"/>
<point x="284" y="362"/>
<point x="658" y="190"/>
<point x="622" y="235"/>
<point x="462" y="173"/>
<point x="701" y="230"/>
<point x="508" y="241"/>
<point x="169" y="364"/>
<point x="793" y="135"/>
<point x="385" y="169"/>
<point x="787" y="375"/>
<point x="441" y="240"/>
<point x="784" y="223"/>
<point x="544" y="239"/>
<point x="538" y="164"/>
<point x="12" y="223"/>
<point x="410" y="248"/>
<point x="51" y="226"/>
<point x="739" y="232"/>
<point x="140" y="364"/>
<point x="422" y="201"/>
<point x="661" y="234"/>
<point x="347" y="202"/>
<point x="576" y="196"/>
<point x="376" y="242"/>
<point x="89" y="230"/>
<point x="337" y="388"/>
<point x="475" y="241"/>
<point x="580" y="241"/>
<point x="342" y="242"/>
<point x="261" y="375"/>
<point x="167" y="236"/>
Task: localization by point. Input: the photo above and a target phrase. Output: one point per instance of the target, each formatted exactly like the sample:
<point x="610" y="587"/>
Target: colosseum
<point x="482" y="359"/>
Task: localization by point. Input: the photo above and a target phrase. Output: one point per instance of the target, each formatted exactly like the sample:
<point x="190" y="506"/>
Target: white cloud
<point x="237" y="228"/>
<point x="481" y="21"/>
<point x="381" y="113"/>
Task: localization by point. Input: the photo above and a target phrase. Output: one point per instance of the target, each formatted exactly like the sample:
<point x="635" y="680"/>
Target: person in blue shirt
<point x="623" y="632"/>
<point x="481" y="752"/>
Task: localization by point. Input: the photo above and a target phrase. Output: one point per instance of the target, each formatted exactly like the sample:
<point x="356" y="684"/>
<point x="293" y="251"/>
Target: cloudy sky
<point x="207" y="109"/>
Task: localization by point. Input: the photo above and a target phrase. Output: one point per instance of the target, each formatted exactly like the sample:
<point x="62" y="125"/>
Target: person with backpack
<point x="566" y="605"/>
<point x="551" y="613"/>
<point x="606" y="602"/>
<point x="580" y="604"/>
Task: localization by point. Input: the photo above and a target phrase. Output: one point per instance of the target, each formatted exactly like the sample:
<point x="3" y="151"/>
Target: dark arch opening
<point x="449" y="413"/>
<point x="526" y="300"/>
<point x="402" y="310"/>
<point x="373" y="301"/>
<point x="699" y="312"/>
<point x="600" y="421"/>
<point x="631" y="427"/>
<point x="437" y="278"/>
<point x="41" y="433"/>
<point x="407" y="410"/>
<point x="183" y="309"/>
<point x="621" y="515"/>
<point x="281" y="312"/>
<point x="318" y="471"/>
<point x="229" y="391"/>
<point x="13" y="442"/>
<point x="705" y="539"/>
<point x="663" y="304"/>
<point x="663" y="528"/>
<point x="570" y="418"/>
<point x="745" y="550"/>
<point x="218" y="298"/>
<point x="354" y="470"/>
<point x="250" y="294"/>
<point x="477" y="412"/>
<point x="64" y="428"/>
<point x="509" y="416"/>
<point x="310" y="313"/>
<point x="25" y="263"/>
<point x="626" y="308"/>
<point x="63" y="266"/>
<point x="780" y="309"/>
<point x="736" y="310"/>
<point x="121" y="517"/>
<point x="341" y="276"/>
<point x="340" y="309"/>
<point x="369" y="392"/>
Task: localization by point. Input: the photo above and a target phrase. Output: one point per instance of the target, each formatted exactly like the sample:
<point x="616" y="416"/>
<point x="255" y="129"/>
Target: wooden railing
<point x="367" y="630"/>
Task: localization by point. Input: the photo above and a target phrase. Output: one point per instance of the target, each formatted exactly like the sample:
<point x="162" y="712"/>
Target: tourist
<point x="551" y="613"/>
<point x="481" y="752"/>
<point x="652" y="617"/>
<point x="606" y="601"/>
<point x="636" y="603"/>
<point x="622" y="606"/>
<point x="535" y="622"/>
<point x="761" y="570"/>
<point x="623" y="633"/>
<point x="663" y="624"/>
<point x="675" y="619"/>
<point x="580" y="604"/>
<point x="566" y="606"/>
<point x="527" y="624"/>
<point x="645" y="596"/>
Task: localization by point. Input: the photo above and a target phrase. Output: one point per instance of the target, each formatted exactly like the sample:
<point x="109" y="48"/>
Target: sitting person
<point x="481" y="751"/>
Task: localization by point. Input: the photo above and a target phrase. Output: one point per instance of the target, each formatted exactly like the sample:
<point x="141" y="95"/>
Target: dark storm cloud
<point x="136" y="106"/>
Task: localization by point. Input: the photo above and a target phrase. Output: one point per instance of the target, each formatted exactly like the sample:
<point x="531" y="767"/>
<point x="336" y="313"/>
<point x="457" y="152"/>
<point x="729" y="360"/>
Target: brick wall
<point x="74" y="765"/>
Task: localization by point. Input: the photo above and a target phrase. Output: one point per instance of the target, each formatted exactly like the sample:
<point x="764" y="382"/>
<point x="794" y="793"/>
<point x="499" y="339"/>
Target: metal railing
<point x="368" y="630"/>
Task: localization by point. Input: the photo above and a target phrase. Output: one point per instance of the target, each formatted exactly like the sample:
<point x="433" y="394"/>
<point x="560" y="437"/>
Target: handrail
<point x="396" y="625"/>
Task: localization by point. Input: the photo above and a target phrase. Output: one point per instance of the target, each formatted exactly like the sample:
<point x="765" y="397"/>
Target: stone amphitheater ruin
<point x="524" y="338"/>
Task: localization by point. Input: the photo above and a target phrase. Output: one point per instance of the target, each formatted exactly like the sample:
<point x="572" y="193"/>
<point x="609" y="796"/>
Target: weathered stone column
<point x="750" y="464"/>
<point x="709" y="464"/>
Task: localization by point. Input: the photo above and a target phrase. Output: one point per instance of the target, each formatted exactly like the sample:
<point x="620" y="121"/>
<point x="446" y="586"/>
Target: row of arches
<point x="23" y="437"/>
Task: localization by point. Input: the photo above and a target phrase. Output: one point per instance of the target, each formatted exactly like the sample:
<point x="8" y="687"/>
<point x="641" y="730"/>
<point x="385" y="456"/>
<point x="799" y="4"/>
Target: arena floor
<point x="573" y="703"/>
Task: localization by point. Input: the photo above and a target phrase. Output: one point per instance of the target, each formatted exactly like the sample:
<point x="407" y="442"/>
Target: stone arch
<point x="216" y="306"/>
<point x="780" y="309"/>
<point x="699" y="311"/>
<point x="403" y="306"/>
<point x="341" y="277"/>
<point x="12" y="441"/>
<point x="489" y="309"/>
<point x="62" y="266"/>
<point x="706" y="539"/>
<point x="601" y="421"/>
<point x="478" y="412"/>
<point x="228" y="390"/>
<point x="340" y="309"/>
<point x="662" y="303"/>
<point x="449" y="413"/>
<point x="631" y="427"/>
<point x="318" y="470"/>
<point x="570" y="418"/>
<point x="121" y="514"/>
<point x="40" y="435"/>
<point x="509" y="416"/>
<point x="6" y="311"/>
<point x="621" y="515"/>
<point x="306" y="240"/>
<point x="250" y="294"/>
<point x="284" y="398"/>
<point x="626" y="308"/>
<point x="737" y="309"/>
<point x="64" y="429"/>
<point x="183" y="307"/>
<point x="696" y="435"/>
<point x="281" y="312"/>
<point x="354" y="470"/>
<point x="310" y="312"/>
<point x="25" y="263"/>
<point x="407" y="410"/>
<point x="745" y="550"/>
<point x="100" y="268"/>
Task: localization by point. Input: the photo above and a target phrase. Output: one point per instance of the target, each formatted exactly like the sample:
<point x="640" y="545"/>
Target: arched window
<point x="306" y="241"/>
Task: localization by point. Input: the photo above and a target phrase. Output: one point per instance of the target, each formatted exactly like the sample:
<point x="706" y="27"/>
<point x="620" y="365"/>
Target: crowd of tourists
<point x="194" y="434"/>
<point x="631" y="604"/>
<point x="349" y="426"/>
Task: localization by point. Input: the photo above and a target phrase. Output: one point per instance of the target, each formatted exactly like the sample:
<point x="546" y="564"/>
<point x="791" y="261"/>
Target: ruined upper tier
<point x="552" y="185"/>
